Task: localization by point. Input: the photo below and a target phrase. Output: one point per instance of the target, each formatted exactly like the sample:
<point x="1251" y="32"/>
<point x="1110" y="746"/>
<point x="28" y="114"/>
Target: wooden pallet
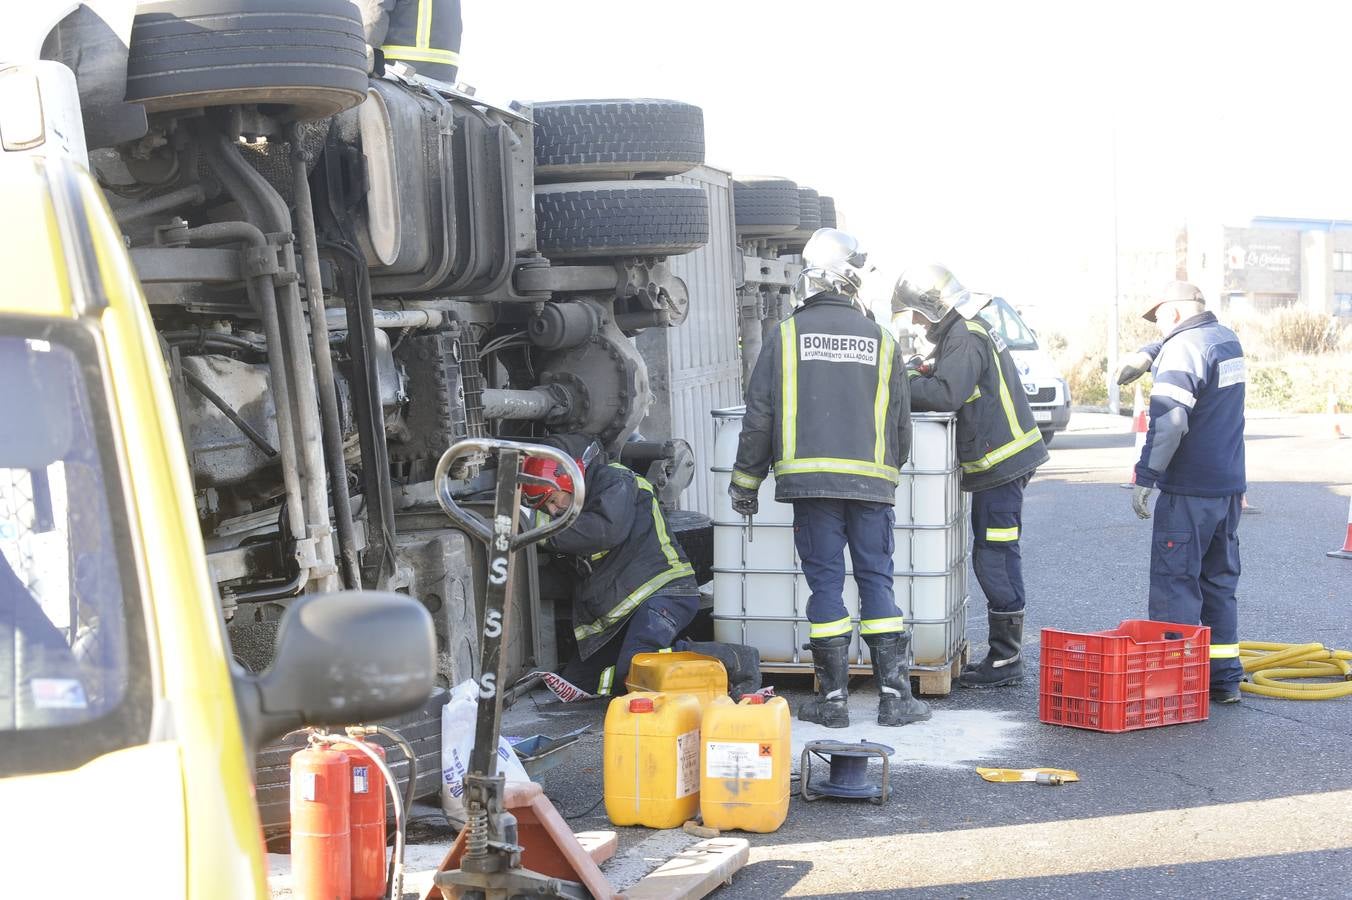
<point x="940" y="684"/>
<point x="930" y="683"/>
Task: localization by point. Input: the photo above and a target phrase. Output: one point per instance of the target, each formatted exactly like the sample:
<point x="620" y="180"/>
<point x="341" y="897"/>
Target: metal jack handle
<point x="477" y="525"/>
<point x="491" y="850"/>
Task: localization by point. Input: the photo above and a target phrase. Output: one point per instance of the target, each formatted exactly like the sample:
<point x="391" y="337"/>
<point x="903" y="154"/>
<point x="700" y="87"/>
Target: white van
<point x="1048" y="394"/>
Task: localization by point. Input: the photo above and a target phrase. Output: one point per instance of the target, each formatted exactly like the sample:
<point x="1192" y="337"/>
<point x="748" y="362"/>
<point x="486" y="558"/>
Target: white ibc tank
<point x="760" y="594"/>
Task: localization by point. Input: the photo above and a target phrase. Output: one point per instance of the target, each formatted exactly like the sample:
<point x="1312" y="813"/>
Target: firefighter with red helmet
<point x="636" y="590"/>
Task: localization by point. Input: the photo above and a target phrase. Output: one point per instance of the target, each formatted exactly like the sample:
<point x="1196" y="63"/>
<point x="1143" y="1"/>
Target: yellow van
<point x="126" y="733"/>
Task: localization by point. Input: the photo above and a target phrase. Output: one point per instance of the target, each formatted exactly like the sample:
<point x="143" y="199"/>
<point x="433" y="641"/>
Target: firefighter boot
<point x="831" y="664"/>
<point x="891" y="669"/>
<point x="1004" y="662"/>
<point x="741" y="661"/>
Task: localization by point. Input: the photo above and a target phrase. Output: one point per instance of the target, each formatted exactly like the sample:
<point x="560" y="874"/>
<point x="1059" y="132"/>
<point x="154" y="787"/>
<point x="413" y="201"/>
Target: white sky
<point x="979" y="135"/>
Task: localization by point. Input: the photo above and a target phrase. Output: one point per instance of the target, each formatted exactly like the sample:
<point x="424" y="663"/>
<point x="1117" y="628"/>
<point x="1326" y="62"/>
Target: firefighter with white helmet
<point x="999" y="447"/>
<point x="828" y="407"/>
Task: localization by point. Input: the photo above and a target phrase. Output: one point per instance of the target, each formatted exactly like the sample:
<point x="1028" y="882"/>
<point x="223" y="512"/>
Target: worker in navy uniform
<point x="1194" y="456"/>
<point x="998" y="442"/>
<point x="636" y="591"/>
<point x="827" y="405"/>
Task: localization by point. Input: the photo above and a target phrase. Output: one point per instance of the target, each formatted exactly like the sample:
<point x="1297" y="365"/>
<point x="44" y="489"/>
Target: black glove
<point x="1134" y="366"/>
<point x="745" y="501"/>
<point x="919" y="365"/>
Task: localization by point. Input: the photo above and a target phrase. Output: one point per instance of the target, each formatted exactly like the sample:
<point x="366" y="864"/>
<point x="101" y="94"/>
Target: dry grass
<point x="1296" y="360"/>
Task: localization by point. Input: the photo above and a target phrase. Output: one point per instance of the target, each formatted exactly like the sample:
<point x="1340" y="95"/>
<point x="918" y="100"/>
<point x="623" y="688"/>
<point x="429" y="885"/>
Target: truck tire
<point x="620" y="218"/>
<point x="827" y="207"/>
<point x="809" y="212"/>
<point x="809" y="220"/>
<point x="695" y="533"/>
<point x="421" y="728"/>
<point x="613" y="139"/>
<point x="298" y="59"/>
<point x="765" y="206"/>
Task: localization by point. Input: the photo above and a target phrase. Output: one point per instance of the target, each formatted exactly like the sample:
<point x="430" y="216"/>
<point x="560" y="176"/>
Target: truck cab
<point x="1048" y="393"/>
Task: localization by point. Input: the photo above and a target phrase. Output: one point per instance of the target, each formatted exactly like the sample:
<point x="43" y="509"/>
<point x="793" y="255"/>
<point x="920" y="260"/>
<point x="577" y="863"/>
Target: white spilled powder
<point x="953" y="739"/>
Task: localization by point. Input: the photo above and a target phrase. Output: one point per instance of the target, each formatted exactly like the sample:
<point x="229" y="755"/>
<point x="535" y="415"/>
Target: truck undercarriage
<point x="349" y="268"/>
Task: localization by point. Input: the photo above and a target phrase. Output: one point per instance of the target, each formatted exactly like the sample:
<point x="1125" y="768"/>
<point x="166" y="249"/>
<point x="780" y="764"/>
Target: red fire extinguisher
<point x="321" y="858"/>
<point x="367" y="817"/>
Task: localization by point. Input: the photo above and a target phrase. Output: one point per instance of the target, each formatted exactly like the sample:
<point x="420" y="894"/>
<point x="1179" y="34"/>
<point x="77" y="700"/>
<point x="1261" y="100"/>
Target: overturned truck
<point x="351" y="266"/>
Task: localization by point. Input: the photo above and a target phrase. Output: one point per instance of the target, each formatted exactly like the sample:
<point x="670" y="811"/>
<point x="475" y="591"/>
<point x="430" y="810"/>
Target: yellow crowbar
<point x="1036" y="776"/>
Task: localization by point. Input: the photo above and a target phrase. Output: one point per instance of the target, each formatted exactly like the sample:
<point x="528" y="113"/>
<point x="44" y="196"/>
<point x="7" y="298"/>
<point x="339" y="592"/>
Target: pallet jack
<point x="515" y="843"/>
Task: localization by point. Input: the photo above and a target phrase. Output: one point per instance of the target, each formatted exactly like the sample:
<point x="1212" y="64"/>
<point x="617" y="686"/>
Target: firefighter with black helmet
<point x="636" y="590"/>
<point x="999" y="447"/>
<point x="828" y="407"/>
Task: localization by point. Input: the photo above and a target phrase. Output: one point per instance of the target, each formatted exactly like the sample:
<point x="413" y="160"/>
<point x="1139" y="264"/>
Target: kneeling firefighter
<point x="828" y="405"/>
<point x="999" y="447"/>
<point x="636" y="590"/>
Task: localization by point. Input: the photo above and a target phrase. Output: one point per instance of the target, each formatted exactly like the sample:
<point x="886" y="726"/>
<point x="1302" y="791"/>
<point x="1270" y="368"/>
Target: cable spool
<point x="848" y="777"/>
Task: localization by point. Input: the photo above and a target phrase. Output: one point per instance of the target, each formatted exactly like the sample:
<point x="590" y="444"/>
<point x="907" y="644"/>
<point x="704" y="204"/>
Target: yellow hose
<point x="1271" y="666"/>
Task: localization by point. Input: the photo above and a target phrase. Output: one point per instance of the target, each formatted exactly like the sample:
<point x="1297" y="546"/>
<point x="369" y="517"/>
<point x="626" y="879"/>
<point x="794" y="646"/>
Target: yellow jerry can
<point x="652" y="759"/>
<point x="678" y="672"/>
<point x="744" y="764"/>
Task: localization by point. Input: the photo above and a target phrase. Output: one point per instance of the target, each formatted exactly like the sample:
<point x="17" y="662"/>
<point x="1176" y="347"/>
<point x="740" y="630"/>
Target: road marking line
<point x="1297" y="824"/>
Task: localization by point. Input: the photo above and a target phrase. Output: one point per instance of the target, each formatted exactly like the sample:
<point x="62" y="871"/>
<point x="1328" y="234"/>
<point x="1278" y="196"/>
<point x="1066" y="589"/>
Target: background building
<point x="1272" y="263"/>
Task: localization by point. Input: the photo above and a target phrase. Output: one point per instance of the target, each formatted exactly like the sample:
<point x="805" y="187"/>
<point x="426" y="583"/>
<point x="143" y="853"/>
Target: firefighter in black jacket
<point x="999" y="448"/>
<point x="636" y="591"/>
<point x="828" y="406"/>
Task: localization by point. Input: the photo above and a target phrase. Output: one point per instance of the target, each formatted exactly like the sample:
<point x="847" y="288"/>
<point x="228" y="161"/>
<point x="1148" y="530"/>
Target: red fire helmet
<point x="540" y="467"/>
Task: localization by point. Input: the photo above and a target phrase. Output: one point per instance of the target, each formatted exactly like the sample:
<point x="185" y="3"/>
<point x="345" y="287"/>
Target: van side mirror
<point x="341" y="659"/>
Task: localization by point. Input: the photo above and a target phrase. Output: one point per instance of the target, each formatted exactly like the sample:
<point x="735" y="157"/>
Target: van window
<point x="74" y="672"/>
<point x="1002" y="317"/>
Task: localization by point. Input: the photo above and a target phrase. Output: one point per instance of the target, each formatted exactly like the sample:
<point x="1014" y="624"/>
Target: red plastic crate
<point x="1126" y="678"/>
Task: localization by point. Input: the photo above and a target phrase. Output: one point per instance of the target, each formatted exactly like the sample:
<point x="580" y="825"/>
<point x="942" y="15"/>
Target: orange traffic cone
<point x="1139" y="427"/>
<point x="1346" y="550"/>
<point x="1332" y="410"/>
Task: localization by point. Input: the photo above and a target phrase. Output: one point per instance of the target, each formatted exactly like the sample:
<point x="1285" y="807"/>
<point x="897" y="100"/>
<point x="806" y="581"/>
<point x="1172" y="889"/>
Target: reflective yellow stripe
<point x="630" y="603"/>
<point x="607" y="681"/>
<point x="788" y="351"/>
<point x="598" y="555"/>
<point x="883" y="396"/>
<point x="1005" y="399"/>
<point x="882" y="626"/>
<point x="1224" y="651"/>
<point x="976" y="394"/>
<point x="838" y="466"/>
<point x="743" y="480"/>
<point x="659" y="522"/>
<point x="1000" y="454"/>
<point x="419" y="54"/>
<point x="673" y="558"/>
<point x="1021" y="439"/>
<point x="424" y="38"/>
<point x="1002" y="534"/>
<point x="830" y="629"/>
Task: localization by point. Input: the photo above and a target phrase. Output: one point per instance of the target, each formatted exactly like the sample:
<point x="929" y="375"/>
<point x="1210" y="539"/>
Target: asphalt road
<point x="1251" y="803"/>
